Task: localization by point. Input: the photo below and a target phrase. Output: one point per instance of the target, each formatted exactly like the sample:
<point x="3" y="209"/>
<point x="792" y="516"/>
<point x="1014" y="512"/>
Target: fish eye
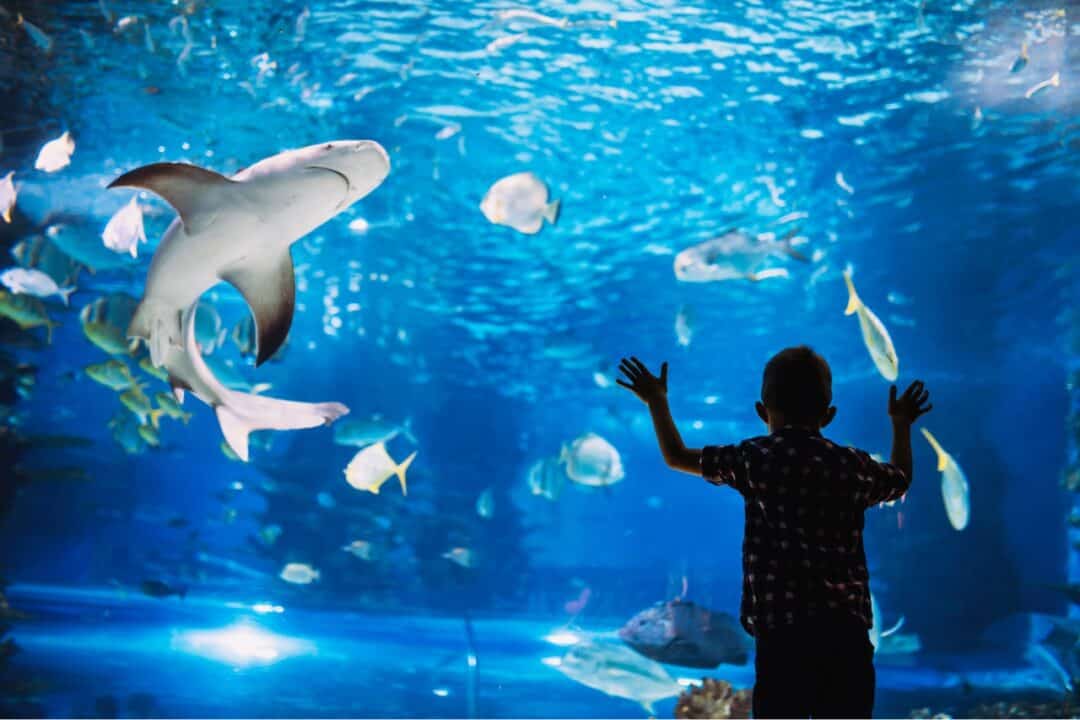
<point x="329" y="146"/>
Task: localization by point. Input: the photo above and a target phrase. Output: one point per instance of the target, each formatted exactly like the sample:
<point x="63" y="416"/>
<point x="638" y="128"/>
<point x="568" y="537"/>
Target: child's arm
<point x="652" y="391"/>
<point x="904" y="412"/>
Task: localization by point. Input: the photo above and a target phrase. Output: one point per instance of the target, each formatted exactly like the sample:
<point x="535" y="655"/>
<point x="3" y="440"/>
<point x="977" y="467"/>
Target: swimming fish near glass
<point x="31" y="281"/>
<point x="26" y="311"/>
<point x="592" y="461"/>
<point x="38" y="36"/>
<point x="613" y="668"/>
<point x="520" y="201"/>
<point x="875" y="336"/>
<point x="125" y="230"/>
<point x="55" y="154"/>
<point x="373" y="466"/>
<point x="8" y="194"/>
<point x="299" y="574"/>
<point x="735" y="255"/>
<point x="113" y="374"/>
<point x="954" y="485"/>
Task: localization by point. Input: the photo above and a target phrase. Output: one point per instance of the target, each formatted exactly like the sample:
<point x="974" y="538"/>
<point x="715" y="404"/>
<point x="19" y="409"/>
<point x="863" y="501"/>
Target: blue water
<point x="896" y="133"/>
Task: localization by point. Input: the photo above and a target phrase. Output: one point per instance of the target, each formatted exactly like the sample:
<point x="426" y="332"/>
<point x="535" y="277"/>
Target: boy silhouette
<point x="805" y="594"/>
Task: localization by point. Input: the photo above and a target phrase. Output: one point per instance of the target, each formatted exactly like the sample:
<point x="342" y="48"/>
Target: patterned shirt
<point x="803" y="547"/>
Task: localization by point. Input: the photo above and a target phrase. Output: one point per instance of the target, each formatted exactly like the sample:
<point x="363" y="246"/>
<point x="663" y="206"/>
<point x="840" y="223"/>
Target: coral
<point x="714" y="699"/>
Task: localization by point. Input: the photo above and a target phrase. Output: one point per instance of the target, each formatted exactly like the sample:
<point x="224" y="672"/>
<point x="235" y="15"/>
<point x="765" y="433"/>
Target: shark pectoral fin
<point x="269" y="287"/>
<point x="235" y="431"/>
<point x="185" y="187"/>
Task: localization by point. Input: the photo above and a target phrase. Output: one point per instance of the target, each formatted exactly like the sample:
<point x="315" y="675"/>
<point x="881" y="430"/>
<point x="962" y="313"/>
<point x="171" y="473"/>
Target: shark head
<point x="363" y="164"/>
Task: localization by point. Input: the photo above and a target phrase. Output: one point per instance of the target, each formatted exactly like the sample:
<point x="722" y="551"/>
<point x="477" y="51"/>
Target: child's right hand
<point x="910" y="406"/>
<point x="643" y="383"/>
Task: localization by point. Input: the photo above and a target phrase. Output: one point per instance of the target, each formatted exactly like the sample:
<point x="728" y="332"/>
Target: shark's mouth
<point x="343" y="176"/>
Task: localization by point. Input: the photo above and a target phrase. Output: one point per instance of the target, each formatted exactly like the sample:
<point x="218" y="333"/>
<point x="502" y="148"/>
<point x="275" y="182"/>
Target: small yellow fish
<point x="113" y="374"/>
<point x="168" y="405"/>
<point x="149" y="435"/>
<point x="136" y="401"/>
<point x="228" y="452"/>
<point x="148" y="367"/>
<point x="875" y="336"/>
<point x="26" y="311"/>
<point x="106" y="335"/>
<point x="954" y="485"/>
<point x="373" y="466"/>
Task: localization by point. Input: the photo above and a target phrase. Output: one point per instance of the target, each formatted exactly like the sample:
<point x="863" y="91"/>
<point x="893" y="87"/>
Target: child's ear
<point x="829" y="415"/>
<point x="762" y="412"/>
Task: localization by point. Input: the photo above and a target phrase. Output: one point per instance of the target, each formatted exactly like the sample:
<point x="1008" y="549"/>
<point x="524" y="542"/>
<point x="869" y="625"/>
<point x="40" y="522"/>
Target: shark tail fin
<point x="235" y="430"/>
<point x="401" y="472"/>
<point x="244" y="413"/>
<point x="853" y="303"/>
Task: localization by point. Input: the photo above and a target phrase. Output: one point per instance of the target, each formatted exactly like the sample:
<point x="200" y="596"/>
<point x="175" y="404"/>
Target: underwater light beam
<point x="241" y="645"/>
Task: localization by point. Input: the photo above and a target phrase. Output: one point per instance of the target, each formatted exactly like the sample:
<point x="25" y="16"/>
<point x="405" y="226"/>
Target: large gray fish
<point x="613" y="668"/>
<point x="734" y="255"/>
<point x="238" y="413"/>
<point x="680" y="632"/>
<point x="239" y="230"/>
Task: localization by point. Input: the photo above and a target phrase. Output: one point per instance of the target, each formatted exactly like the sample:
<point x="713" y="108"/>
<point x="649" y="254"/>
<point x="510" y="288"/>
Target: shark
<point x="240" y="229"/>
<point x="238" y="413"/>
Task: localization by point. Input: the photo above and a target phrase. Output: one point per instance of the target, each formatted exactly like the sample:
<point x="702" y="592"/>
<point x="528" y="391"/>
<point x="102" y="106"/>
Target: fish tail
<point x="185" y="417"/>
<point x="65" y="294"/>
<point x="406" y="430"/>
<point x="552" y="210"/>
<point x="942" y="456"/>
<point x="789" y="249"/>
<point x="155" y="417"/>
<point x="401" y="472"/>
<point x="854" y="303"/>
<point x="49" y="325"/>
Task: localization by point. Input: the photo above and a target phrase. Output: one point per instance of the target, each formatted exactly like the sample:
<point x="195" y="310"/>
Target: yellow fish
<point x="954" y="486"/>
<point x="875" y="336"/>
<point x="26" y="311"/>
<point x="373" y="466"/>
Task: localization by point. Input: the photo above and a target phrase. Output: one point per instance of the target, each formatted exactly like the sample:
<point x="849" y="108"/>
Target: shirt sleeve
<point x="724" y="465"/>
<point x="883" y="482"/>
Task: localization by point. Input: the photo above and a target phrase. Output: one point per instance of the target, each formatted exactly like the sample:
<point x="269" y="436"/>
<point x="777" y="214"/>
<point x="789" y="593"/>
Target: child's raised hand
<point x="643" y="383"/>
<point x="910" y="406"/>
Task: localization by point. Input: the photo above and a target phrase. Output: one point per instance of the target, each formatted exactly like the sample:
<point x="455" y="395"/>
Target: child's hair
<point x="797" y="382"/>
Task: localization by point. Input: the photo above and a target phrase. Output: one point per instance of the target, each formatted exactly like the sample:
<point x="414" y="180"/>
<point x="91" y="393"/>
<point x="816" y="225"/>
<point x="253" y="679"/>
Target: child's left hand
<point x="643" y="383"/>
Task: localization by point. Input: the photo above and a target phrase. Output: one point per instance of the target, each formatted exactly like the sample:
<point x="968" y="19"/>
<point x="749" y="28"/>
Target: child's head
<point x="796" y="389"/>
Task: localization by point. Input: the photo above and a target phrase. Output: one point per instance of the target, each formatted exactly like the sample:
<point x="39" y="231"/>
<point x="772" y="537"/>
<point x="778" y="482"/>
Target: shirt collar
<point x="798" y="429"/>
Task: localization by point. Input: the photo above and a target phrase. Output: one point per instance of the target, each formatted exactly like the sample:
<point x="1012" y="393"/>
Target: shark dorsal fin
<point x="269" y="287"/>
<point x="182" y="185"/>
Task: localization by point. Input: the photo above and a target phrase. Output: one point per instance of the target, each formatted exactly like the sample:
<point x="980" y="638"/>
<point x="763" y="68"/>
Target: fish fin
<point x="7" y="215"/>
<point x="406" y="430"/>
<point x="260" y="388"/>
<point x="853" y="303"/>
<point x="186" y="417"/>
<point x="894" y="629"/>
<point x="790" y="251"/>
<point x="269" y="287"/>
<point x="49" y="325"/>
<point x="178" y="389"/>
<point x="401" y="472"/>
<point x="649" y="708"/>
<point x="65" y="294"/>
<point x="155" y="417"/>
<point x="552" y="210"/>
<point x="942" y="456"/>
<point x="183" y="186"/>
<point x="235" y="431"/>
